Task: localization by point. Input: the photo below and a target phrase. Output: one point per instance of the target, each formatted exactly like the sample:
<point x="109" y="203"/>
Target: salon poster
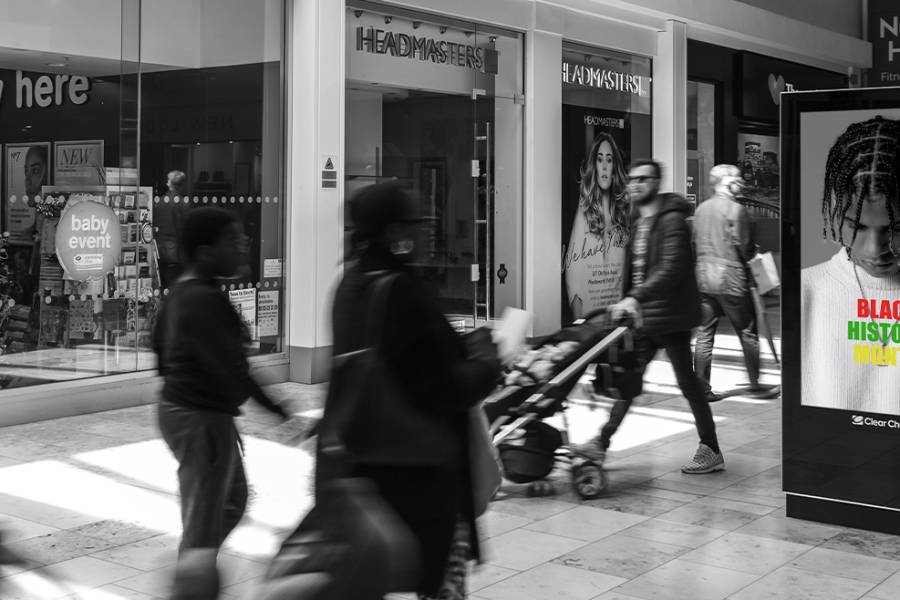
<point x="244" y="302"/>
<point x="26" y="173"/>
<point x="79" y="163"/>
<point x="595" y="208"/>
<point x="267" y="308"/>
<point x="758" y="162"/>
<point x="853" y="319"/>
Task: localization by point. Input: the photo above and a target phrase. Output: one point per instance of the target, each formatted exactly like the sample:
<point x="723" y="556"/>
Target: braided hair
<point x="863" y="162"/>
<point x="590" y="194"/>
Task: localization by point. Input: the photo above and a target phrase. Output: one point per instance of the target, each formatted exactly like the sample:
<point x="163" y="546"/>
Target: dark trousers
<point x="739" y="311"/>
<point x="211" y="480"/>
<point x="678" y="348"/>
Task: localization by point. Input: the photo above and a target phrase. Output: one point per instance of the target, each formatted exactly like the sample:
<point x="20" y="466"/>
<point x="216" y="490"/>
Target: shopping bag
<point x="765" y="274"/>
<point x="486" y="478"/>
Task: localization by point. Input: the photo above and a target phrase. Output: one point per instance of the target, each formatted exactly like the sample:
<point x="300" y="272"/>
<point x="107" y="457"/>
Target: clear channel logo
<point x="873" y="422"/>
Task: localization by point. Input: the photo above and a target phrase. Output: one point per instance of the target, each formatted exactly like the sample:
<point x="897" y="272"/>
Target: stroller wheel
<point x="589" y="480"/>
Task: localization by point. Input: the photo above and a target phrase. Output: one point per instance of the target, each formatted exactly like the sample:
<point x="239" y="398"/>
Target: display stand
<point x="117" y="310"/>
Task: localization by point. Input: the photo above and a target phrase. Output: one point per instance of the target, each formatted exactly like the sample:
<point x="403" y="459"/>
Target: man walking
<point x="723" y="246"/>
<point x="661" y="297"/>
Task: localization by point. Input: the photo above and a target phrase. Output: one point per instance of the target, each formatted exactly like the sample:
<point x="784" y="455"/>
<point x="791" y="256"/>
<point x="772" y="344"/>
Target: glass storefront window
<point x="108" y="142"/>
<point x="436" y="104"/>
<point x="606" y="123"/>
<point x="701" y="139"/>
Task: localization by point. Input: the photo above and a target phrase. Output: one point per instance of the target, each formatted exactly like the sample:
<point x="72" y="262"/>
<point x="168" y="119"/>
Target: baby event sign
<point x="88" y="242"/>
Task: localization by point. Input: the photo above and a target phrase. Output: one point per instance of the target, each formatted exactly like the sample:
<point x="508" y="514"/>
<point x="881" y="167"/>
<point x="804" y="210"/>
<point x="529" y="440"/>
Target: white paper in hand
<point x="509" y="333"/>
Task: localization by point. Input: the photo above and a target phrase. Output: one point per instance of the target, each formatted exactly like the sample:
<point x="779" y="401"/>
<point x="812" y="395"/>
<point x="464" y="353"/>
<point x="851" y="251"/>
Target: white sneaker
<point x="704" y="461"/>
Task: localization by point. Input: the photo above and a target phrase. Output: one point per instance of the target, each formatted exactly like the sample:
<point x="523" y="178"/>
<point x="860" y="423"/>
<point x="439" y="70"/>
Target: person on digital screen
<point x="595" y="255"/>
<point x="850" y="304"/>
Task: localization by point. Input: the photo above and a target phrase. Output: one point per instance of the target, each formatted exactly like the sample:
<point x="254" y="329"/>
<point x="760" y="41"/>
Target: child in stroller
<point x="537" y="387"/>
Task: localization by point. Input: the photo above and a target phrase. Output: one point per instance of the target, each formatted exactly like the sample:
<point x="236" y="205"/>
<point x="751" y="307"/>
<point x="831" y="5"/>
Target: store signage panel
<point x="604" y="79"/>
<point x="418" y="55"/>
<point x="43" y="90"/>
<point x="88" y="239"/>
<point x="884" y="34"/>
<point x="763" y="79"/>
<point x="840" y="373"/>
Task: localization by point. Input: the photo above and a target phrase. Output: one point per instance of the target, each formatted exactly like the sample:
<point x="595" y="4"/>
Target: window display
<point x="101" y="162"/>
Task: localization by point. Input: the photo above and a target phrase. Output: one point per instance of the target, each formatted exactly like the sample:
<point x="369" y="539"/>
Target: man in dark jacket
<point x="661" y="298"/>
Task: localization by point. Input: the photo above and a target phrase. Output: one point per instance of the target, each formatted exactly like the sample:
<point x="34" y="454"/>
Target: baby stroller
<point x="538" y="387"/>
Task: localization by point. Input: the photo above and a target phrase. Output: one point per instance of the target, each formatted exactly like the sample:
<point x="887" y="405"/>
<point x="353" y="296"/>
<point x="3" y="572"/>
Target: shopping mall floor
<point x="91" y="501"/>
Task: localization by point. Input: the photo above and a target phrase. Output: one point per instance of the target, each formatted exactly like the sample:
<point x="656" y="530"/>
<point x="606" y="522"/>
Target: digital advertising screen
<point x="840" y="178"/>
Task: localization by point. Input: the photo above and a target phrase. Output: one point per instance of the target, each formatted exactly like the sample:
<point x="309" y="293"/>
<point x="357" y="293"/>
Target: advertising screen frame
<point x="839" y="464"/>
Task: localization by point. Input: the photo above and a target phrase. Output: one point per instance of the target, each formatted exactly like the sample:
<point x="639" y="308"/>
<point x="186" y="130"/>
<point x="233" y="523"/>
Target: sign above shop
<point x="48" y="90"/>
<point x="884" y="33"/>
<point x="88" y="240"/>
<point x="604" y="79"/>
<point x="442" y="52"/>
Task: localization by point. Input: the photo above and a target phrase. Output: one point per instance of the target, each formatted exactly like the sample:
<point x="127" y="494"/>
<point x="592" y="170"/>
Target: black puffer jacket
<point x="668" y="296"/>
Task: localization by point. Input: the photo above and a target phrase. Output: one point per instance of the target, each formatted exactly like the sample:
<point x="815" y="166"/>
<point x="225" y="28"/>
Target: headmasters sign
<point x="88" y="239"/>
<point x="442" y="52"/>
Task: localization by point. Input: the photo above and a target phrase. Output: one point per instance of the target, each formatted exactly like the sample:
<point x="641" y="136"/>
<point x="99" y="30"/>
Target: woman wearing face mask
<point x="850" y="325"/>
<point x="427" y="482"/>
<point x="593" y="260"/>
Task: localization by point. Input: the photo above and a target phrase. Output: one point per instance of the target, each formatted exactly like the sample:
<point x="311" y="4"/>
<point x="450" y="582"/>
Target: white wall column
<point x="543" y="148"/>
<point x="315" y="215"/>
<point x="670" y="105"/>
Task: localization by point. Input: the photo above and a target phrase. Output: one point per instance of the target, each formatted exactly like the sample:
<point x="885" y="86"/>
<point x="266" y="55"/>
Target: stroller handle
<point x="603" y="312"/>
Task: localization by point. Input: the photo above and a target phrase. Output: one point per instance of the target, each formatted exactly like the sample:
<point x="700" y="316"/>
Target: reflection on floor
<point x="91" y="501"/>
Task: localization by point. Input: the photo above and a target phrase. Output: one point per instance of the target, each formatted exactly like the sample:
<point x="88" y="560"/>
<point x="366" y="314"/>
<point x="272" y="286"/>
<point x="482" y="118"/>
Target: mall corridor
<point x="91" y="502"/>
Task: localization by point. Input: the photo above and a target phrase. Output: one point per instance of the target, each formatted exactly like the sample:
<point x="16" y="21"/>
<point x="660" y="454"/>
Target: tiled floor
<point x="91" y="501"/>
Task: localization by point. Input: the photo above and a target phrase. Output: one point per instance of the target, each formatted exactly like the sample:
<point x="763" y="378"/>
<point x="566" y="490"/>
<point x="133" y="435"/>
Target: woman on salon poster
<point x="596" y="211"/>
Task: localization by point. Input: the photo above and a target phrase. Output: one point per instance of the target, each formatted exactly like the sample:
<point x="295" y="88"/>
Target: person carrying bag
<point x="402" y="396"/>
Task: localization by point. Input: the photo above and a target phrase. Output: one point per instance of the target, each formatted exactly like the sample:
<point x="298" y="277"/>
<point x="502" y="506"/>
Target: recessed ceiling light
<point x="58" y="65"/>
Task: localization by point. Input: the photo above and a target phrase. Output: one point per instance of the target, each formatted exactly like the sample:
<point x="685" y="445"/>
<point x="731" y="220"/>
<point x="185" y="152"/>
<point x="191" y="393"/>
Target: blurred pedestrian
<point x="663" y="302"/>
<point x="419" y="460"/>
<point x="723" y="246"/>
<point x="199" y="341"/>
<point x="167" y="218"/>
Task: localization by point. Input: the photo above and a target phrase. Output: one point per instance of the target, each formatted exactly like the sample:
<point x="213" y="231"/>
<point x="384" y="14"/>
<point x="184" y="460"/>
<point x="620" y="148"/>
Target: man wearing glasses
<point x="662" y="300"/>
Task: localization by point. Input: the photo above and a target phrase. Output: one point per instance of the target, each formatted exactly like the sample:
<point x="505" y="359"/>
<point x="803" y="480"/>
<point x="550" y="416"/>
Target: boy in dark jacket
<point x="199" y="344"/>
<point x="661" y="297"/>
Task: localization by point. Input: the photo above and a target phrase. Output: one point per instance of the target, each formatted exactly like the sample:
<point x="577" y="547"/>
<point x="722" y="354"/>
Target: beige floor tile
<point x="113" y="592"/>
<point x="788" y="583"/>
<point x="486" y="574"/>
<point x="889" y="589"/>
<point x="24" y="449"/>
<point x="33" y="585"/>
<point x="235" y="570"/>
<point x="522" y="549"/>
<point x="845" y="564"/>
<point x="670" y="532"/>
<point x="534" y="509"/>
<point x="551" y="581"/>
<point x="155" y="583"/>
<point x="869" y="543"/>
<point x="494" y="522"/>
<point x="621" y="555"/>
<point x="57" y="547"/>
<point x="655" y="492"/>
<point x="146" y="555"/>
<point x="116" y="531"/>
<point x="635" y="504"/>
<point x="709" y="516"/>
<point x="586" y="523"/>
<point x="615" y="595"/>
<point x="15" y="529"/>
<point x="688" y="580"/>
<point x="736" y="505"/>
<point x="42" y="513"/>
<point x="790" y="530"/>
<point x="747" y="553"/>
<point x="89" y="572"/>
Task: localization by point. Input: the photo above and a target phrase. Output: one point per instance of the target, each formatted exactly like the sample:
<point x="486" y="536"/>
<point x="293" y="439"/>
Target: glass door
<point x="425" y="98"/>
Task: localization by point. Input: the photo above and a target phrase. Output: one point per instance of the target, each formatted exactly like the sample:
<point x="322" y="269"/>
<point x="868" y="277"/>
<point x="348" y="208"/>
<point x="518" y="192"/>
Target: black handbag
<point x="352" y="544"/>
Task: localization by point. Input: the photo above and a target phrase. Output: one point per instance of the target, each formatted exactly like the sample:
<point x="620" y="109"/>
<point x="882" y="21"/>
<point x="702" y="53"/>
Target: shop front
<point x="107" y="143"/>
<point x="437" y="104"/>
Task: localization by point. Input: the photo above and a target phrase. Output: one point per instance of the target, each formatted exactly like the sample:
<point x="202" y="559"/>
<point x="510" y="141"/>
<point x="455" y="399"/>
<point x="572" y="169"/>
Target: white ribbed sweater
<point x="831" y="375"/>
